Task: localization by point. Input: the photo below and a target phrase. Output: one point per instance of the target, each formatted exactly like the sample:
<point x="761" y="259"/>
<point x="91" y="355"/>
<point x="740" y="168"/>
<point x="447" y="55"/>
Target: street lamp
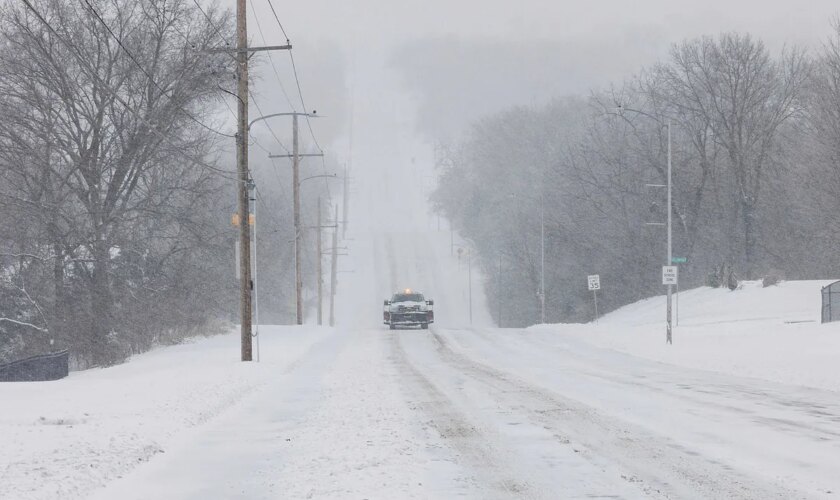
<point x="319" y="226"/>
<point x="295" y="156"/>
<point x="541" y="291"/>
<point x="669" y="262"/>
<point x="542" y="261"/>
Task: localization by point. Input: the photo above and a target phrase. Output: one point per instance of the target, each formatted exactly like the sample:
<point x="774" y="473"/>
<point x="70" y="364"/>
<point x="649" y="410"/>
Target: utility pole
<point x="242" y="176"/>
<point x="296" y="156"/>
<point x="318" y="269"/>
<point x="334" y="269"/>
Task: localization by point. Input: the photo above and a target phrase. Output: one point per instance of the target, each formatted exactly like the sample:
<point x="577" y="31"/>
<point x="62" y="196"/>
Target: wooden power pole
<point x="296" y="180"/>
<point x="334" y="269"/>
<point x="242" y="177"/>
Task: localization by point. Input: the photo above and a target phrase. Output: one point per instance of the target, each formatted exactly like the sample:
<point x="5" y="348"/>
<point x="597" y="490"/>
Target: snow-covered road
<point x="488" y="414"/>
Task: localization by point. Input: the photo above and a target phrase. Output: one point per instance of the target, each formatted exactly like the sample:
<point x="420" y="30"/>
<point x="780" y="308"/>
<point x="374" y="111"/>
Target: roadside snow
<point x="64" y="439"/>
<point x="771" y="333"/>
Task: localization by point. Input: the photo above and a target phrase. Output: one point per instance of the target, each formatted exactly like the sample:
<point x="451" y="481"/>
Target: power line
<point x="250" y="94"/>
<point x="253" y="99"/>
<point x="270" y="60"/>
<point x="81" y="60"/>
<point x="279" y="23"/>
<point x="302" y="101"/>
<point x="295" y="72"/>
<point x="300" y="93"/>
<point x="187" y="39"/>
<point x="148" y="75"/>
<point x="264" y="204"/>
<point x="218" y="29"/>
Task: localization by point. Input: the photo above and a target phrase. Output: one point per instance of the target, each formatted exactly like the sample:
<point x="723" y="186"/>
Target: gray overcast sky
<point x="433" y="66"/>
<point x="388" y="22"/>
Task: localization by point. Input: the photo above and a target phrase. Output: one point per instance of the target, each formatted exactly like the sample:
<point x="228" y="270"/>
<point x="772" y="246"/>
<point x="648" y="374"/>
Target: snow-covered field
<point x="771" y="333"/>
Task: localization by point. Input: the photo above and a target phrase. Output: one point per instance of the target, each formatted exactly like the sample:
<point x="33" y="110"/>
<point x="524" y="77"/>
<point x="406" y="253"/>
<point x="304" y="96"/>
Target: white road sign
<point x="594" y="281"/>
<point x="669" y="275"/>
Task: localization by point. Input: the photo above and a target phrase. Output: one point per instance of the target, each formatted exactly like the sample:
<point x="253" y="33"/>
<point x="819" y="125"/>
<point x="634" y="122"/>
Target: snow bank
<point x="64" y="439"/>
<point x="771" y="333"/>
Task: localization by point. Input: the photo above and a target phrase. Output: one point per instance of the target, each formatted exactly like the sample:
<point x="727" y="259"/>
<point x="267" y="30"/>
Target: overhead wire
<point x="119" y="41"/>
<point x="251" y="95"/>
<point x="187" y="39"/>
<point x="282" y="87"/>
<point x="278" y="21"/>
<point x="302" y="101"/>
<point x="270" y="59"/>
<point x="218" y="29"/>
<point x="227" y="174"/>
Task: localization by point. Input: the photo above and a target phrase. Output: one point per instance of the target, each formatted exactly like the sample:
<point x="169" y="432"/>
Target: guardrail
<point x="52" y="366"/>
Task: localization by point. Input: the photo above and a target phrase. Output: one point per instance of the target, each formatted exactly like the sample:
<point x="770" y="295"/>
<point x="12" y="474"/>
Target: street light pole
<point x="318" y="273"/>
<point x="469" y="280"/>
<point x="668" y="337"/>
<point x="296" y="184"/>
<point x="542" y="262"/>
<point x="298" y="231"/>
<point x="296" y="156"/>
<point x="668" y="308"/>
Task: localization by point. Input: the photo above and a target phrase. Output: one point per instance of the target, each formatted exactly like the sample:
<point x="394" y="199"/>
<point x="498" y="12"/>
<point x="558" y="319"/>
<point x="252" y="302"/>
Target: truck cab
<point x="408" y="308"/>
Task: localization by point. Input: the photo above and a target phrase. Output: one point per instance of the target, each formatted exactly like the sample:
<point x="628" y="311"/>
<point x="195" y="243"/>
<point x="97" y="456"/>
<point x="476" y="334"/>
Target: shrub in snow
<point x="723" y="276"/>
<point x="773" y="277"/>
<point x="731" y="279"/>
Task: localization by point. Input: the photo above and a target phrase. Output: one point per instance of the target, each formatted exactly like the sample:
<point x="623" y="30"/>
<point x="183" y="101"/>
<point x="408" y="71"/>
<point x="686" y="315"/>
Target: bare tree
<point x="733" y="86"/>
<point x="107" y="142"/>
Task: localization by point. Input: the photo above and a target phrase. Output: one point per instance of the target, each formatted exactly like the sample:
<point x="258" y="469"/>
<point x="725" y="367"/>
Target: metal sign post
<point x="678" y="260"/>
<point x="669" y="277"/>
<point x="594" y="282"/>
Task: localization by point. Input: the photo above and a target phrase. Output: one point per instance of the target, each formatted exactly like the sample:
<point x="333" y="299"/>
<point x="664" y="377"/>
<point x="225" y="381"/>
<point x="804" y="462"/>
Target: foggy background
<point x="458" y="61"/>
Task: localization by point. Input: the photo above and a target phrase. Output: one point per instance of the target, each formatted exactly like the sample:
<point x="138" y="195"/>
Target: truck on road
<point x="408" y="308"/>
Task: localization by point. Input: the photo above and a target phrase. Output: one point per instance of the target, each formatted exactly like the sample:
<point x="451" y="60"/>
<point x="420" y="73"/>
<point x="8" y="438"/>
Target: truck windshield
<point x="407" y="297"/>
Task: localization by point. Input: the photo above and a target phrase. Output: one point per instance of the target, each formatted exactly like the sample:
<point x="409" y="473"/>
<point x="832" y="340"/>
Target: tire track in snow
<point x="818" y="414"/>
<point x="471" y="447"/>
<point x="467" y="439"/>
<point x="662" y="466"/>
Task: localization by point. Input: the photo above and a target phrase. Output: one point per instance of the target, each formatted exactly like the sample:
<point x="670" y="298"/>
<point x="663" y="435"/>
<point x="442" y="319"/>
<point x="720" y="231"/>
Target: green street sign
<point x="679" y="260"/>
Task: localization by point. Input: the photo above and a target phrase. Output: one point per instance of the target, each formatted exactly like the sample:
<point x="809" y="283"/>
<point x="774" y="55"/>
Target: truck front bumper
<point x="409" y="319"/>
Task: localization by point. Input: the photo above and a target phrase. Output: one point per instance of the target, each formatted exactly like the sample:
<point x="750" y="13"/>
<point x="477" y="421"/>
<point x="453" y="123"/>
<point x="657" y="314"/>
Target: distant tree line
<point x="756" y="180"/>
<point x="115" y="204"/>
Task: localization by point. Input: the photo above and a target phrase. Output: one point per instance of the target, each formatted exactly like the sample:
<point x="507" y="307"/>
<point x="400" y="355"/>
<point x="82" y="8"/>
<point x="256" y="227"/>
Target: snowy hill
<point x="772" y="333"/>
